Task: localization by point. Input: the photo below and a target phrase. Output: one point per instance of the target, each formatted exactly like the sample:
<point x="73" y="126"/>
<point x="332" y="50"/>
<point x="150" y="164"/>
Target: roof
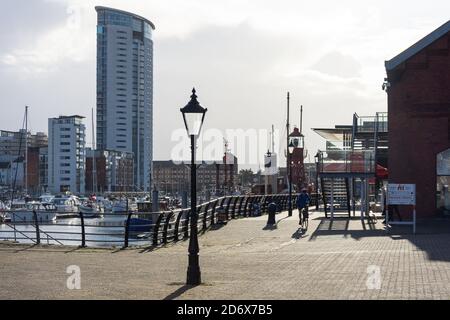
<point x="98" y="8"/>
<point x="417" y="47"/>
<point x="334" y="134"/>
<point x="69" y="117"/>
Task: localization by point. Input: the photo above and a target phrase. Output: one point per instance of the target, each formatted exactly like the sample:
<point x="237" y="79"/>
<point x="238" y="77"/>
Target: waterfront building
<point x="113" y="171"/>
<point x="125" y="88"/>
<point x="417" y="84"/>
<point x="12" y="159"/>
<point x="217" y="177"/>
<point x="66" y="154"/>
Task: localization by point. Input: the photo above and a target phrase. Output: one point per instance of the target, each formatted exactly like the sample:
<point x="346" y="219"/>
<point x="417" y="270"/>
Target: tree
<point x="246" y="177"/>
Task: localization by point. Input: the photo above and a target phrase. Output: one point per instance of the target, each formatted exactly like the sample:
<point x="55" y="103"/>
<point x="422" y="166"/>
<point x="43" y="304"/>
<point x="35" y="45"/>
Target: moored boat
<point x="21" y="212"/>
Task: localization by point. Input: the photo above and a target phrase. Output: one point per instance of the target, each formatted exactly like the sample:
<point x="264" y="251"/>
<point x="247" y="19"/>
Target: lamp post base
<point x="193" y="273"/>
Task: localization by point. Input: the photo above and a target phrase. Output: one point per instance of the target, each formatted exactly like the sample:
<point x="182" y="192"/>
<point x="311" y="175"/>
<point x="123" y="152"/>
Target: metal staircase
<point x="338" y="188"/>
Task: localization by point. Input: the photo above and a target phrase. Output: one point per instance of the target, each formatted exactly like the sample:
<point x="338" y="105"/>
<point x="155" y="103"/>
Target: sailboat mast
<point x="94" y="169"/>
<point x="26" y="150"/>
<point x="301" y="119"/>
<point x="273" y="139"/>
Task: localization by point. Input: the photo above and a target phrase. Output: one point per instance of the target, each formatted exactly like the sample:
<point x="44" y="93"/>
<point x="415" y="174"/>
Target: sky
<point x="242" y="56"/>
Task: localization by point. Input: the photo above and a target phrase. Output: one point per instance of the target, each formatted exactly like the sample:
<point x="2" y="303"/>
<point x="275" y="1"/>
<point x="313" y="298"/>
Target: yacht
<point x="91" y="209"/>
<point x="67" y="206"/>
<point x="46" y="198"/>
<point x="23" y="212"/>
<point x="124" y="206"/>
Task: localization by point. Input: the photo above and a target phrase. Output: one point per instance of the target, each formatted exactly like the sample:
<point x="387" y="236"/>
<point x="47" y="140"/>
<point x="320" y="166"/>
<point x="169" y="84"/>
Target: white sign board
<point x="270" y="165"/>
<point x="401" y="194"/>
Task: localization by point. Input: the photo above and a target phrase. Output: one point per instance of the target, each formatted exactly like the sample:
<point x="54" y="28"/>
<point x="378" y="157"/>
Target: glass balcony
<point x="347" y="161"/>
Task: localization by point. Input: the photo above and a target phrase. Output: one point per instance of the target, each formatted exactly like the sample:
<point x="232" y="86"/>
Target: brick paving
<point x="245" y="260"/>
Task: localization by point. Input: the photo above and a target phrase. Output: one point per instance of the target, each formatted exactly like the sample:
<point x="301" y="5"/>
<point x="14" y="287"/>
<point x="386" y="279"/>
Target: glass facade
<point x="125" y="88"/>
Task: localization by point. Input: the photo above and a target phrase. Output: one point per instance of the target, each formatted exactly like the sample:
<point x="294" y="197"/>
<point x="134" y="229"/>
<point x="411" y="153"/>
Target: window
<point x="443" y="182"/>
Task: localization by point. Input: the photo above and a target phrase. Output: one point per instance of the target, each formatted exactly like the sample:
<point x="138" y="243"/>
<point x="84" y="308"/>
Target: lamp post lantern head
<point x="193" y="115"/>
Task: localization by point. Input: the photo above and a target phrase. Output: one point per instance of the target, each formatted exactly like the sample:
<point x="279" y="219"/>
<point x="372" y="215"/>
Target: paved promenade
<point x="246" y="260"/>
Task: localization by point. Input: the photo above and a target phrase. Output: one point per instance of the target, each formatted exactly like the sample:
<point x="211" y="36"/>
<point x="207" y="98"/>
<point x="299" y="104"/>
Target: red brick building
<point x="418" y="86"/>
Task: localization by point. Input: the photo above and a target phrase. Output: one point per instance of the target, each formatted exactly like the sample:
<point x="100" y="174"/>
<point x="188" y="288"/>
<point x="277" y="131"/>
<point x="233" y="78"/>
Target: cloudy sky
<point x="241" y="55"/>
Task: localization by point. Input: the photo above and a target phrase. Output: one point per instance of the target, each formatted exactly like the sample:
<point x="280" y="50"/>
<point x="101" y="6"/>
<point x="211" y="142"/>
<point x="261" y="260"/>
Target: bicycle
<point x="304" y="218"/>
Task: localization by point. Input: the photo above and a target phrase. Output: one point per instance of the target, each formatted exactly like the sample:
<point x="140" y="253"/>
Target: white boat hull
<point x="28" y="216"/>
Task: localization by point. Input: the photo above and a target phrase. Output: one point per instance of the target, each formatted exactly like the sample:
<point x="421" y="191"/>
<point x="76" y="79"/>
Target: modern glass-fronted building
<point x="125" y="88"/>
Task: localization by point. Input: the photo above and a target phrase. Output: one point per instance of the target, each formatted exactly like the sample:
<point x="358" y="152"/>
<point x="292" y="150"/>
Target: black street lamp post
<point x="193" y="116"/>
<point x="291" y="148"/>
<point x="316" y="158"/>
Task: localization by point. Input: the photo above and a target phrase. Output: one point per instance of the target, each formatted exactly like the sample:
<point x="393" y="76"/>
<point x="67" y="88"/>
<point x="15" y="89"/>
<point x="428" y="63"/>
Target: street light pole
<point x="193" y="116"/>
<point x="291" y="148"/>
<point x="316" y="158"/>
<point x="288" y="159"/>
<point x="193" y="273"/>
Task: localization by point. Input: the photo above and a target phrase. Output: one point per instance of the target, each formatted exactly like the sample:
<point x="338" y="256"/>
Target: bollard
<point x="155" y="201"/>
<point x="272" y="209"/>
<point x="184" y="200"/>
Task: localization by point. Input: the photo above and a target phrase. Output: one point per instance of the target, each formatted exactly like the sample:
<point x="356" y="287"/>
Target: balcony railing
<point x="372" y="123"/>
<point x="347" y="161"/>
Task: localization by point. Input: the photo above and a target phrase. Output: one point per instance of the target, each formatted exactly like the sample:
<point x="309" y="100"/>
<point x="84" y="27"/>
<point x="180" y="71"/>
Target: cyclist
<point x="302" y="205"/>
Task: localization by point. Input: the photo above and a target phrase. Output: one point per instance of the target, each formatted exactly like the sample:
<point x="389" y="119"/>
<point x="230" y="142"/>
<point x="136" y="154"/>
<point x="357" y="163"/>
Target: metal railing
<point x="133" y="228"/>
<point x="371" y="124"/>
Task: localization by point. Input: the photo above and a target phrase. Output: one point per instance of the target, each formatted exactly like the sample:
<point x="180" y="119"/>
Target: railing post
<point x="246" y="206"/>
<point x="83" y="232"/>
<point x="186" y="225"/>
<point x="228" y="207"/>
<point x="36" y="222"/>
<point x="213" y="211"/>
<point x="240" y="205"/>
<point x="205" y="216"/>
<point x="156" y="229"/>
<point x="177" y="226"/>
<point x="233" y="213"/>
<point x="166" y="226"/>
<point x="127" y="230"/>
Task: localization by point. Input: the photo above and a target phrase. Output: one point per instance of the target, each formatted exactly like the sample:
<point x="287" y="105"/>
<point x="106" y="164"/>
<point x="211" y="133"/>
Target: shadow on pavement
<point x="340" y="227"/>
<point x="179" y="292"/>
<point x="432" y="235"/>
<point x="270" y="227"/>
<point x="298" y="234"/>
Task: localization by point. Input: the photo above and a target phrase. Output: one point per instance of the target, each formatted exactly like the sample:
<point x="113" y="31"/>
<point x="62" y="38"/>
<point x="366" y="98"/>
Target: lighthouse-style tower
<point x="297" y="159"/>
